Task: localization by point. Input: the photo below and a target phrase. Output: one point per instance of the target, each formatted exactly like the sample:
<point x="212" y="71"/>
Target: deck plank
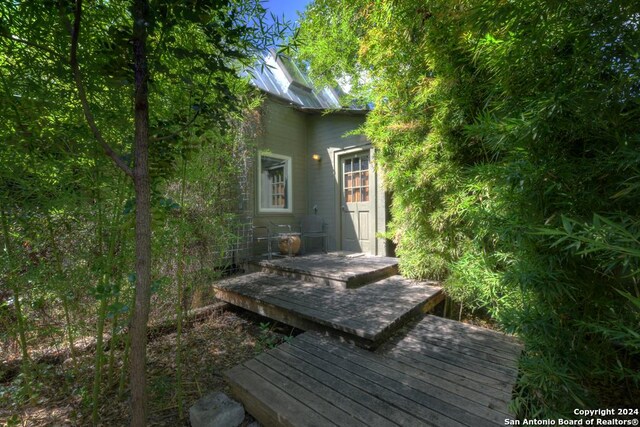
<point x="482" y="340"/>
<point x="473" y="331"/>
<point x="419" y="349"/>
<point x="433" y="402"/>
<point x="341" y="322"/>
<point x="361" y="378"/>
<point x="465" y="377"/>
<point x="327" y="269"/>
<point x="376" y="298"/>
<point x="416" y="382"/>
<point x="424" y="380"/>
<point x="330" y="388"/>
<point x="368" y="314"/>
<point x="279" y="409"/>
<point x="313" y="400"/>
<point x="439" y="373"/>
<point x="461" y="345"/>
<point x="334" y="379"/>
<point x="297" y="293"/>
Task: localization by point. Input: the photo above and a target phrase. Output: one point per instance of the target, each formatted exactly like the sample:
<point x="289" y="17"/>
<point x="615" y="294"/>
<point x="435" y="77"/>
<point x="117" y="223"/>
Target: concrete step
<point x="333" y="269"/>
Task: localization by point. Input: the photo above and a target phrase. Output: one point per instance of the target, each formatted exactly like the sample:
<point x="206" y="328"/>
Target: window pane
<point x="365" y="179"/>
<point x="365" y="194"/>
<point x="273" y="182"/>
<point x="348" y="197"/>
<point x="356" y="195"/>
<point x="365" y="163"/>
<point x="347" y="165"/>
<point x="356" y="181"/>
<point x="356" y="164"/>
<point x="347" y="180"/>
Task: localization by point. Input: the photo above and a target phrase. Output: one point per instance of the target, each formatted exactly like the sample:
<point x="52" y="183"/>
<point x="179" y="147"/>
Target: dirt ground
<point x="222" y="340"/>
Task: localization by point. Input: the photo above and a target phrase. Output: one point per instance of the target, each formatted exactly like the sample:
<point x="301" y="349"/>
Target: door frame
<point x="373" y="193"/>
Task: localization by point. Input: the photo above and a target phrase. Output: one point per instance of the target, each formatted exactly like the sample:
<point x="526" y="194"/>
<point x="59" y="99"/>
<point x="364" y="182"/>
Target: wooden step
<point x="365" y="316"/>
<point x="330" y="269"/>
<point x="316" y="380"/>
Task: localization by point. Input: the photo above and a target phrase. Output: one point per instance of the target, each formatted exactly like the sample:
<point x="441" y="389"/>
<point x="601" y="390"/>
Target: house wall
<point x="284" y="133"/>
<point x="291" y="132"/>
<point x="327" y="138"/>
<point x="381" y="214"/>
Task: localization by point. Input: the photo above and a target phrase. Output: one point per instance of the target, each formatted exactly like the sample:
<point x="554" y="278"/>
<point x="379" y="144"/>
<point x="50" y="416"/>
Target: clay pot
<point x="289" y="240"/>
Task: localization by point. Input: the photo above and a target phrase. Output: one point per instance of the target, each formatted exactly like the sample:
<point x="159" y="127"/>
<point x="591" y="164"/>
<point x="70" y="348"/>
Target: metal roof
<point x="282" y="78"/>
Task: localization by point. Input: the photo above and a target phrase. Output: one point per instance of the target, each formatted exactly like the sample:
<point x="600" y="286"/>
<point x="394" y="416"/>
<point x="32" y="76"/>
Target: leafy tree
<point x="502" y="128"/>
<point x="129" y="79"/>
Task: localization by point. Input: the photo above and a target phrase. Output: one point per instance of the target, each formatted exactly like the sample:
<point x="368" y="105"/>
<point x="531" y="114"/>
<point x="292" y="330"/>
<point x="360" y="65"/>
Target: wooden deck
<point x="331" y="269"/>
<point x="365" y="315"/>
<point x="442" y="373"/>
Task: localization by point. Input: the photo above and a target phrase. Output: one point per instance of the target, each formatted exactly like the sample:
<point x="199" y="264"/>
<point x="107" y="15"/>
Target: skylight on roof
<point x="293" y="73"/>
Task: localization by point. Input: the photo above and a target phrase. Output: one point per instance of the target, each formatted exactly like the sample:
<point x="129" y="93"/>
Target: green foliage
<point x="269" y="338"/>
<point x="67" y="213"/>
<point x="509" y="134"/>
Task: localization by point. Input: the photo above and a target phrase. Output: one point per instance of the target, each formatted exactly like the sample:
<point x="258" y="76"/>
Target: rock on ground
<point x="216" y="410"/>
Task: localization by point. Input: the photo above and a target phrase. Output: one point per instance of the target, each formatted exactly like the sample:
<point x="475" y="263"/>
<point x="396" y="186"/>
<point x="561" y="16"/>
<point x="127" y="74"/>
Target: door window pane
<point x="365" y="178"/>
<point x="355" y="179"/>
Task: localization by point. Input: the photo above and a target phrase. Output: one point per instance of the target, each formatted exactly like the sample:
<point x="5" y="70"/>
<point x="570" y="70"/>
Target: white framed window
<point x="274" y="183"/>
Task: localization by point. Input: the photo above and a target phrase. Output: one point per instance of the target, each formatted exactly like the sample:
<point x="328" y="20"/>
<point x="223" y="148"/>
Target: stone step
<point x="337" y="270"/>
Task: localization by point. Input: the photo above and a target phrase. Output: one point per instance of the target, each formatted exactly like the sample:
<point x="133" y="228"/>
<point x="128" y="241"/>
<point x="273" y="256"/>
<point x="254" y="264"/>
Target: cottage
<point x="307" y="165"/>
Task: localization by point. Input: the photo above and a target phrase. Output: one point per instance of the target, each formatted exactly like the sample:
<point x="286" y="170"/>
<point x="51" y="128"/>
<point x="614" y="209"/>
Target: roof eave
<point x="311" y="110"/>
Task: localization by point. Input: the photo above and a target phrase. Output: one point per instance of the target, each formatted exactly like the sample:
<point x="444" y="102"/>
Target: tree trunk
<point x="17" y="303"/>
<point x="142" y="186"/>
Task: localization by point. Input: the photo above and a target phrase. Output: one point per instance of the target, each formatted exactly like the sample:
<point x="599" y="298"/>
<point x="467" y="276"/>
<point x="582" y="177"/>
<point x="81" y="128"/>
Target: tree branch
<point x="9" y="95"/>
<point x="86" y="108"/>
<point x="176" y="133"/>
<point x="189" y="123"/>
<point x="31" y="44"/>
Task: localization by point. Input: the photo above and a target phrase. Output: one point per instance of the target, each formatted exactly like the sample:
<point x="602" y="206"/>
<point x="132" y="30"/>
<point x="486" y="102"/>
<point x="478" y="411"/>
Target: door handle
<point x="345" y="208"/>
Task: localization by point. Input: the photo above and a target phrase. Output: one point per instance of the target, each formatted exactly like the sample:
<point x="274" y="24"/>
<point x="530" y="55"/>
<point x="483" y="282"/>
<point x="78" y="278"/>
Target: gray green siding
<point x="285" y="133"/>
<point x="326" y="137"/>
<point x="291" y="132"/>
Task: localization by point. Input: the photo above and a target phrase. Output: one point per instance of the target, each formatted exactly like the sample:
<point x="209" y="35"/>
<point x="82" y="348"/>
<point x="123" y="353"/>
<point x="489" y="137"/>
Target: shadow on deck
<point x="442" y="373"/>
<point x="439" y="373"/>
<point x="334" y="269"/>
<point x="365" y="316"/>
